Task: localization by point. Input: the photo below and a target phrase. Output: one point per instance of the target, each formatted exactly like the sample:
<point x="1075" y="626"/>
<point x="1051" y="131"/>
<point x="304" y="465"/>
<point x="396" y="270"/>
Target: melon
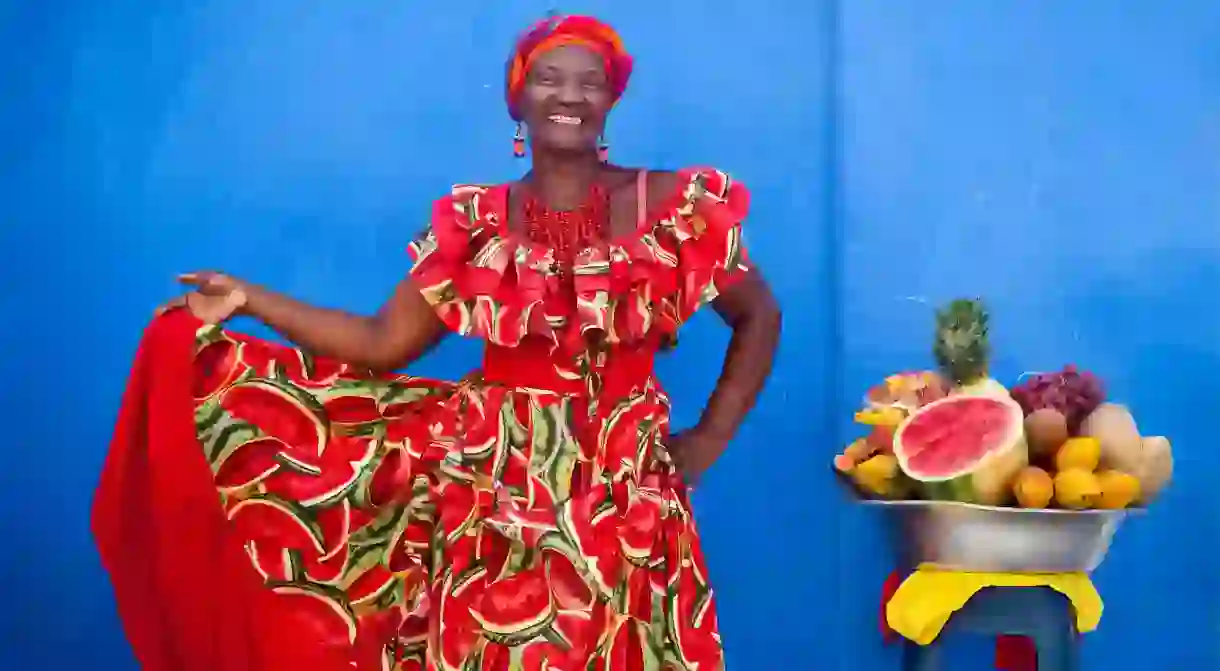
<point x="964" y="448"/>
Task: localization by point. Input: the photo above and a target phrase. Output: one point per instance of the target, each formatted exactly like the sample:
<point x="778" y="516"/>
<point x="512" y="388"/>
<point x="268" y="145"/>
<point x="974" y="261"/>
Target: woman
<point x="532" y="516"/>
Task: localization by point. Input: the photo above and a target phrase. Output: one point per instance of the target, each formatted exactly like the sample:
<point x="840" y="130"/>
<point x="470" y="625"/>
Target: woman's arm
<point x="403" y="329"/>
<point x="750" y="309"/>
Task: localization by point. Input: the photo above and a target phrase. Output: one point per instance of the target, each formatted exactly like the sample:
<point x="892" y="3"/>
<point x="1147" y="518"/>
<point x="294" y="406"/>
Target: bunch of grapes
<point x="1072" y="392"/>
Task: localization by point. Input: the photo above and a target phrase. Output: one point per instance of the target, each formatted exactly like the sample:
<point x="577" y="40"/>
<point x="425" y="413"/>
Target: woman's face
<point x="566" y="99"/>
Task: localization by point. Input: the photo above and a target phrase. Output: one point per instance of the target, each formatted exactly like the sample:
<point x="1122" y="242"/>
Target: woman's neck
<point x="562" y="182"/>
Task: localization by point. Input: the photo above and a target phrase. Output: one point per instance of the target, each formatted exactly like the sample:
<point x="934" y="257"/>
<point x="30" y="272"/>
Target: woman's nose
<point x="571" y="92"/>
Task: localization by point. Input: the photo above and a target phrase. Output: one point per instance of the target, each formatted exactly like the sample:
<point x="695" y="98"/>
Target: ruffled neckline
<point x="488" y="281"/>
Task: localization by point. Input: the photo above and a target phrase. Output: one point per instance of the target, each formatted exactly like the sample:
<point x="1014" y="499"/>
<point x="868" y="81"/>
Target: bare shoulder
<point x="662" y="185"/>
<point x="665" y="185"/>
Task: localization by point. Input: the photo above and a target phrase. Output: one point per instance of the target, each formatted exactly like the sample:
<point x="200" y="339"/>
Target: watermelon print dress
<point x="525" y="518"/>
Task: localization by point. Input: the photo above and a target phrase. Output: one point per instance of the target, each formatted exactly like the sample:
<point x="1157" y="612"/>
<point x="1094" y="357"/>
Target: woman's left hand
<point x="694" y="451"/>
<point x="216" y="297"/>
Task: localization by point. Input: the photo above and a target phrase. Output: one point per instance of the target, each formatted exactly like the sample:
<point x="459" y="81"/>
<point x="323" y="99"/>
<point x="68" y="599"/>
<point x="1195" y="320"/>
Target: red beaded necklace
<point x="567" y="231"/>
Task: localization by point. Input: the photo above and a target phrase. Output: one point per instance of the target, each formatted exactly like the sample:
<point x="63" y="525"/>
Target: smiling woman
<point x="535" y="515"/>
<point x="563" y="78"/>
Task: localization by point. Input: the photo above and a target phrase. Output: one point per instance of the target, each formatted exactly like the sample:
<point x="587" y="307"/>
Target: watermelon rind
<point x="987" y="479"/>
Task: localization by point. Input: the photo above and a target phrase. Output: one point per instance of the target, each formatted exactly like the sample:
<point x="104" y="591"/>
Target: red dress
<point x="528" y="517"/>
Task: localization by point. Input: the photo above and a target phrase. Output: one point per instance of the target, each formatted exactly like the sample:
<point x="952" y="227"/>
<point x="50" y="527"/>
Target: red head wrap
<point x="585" y="31"/>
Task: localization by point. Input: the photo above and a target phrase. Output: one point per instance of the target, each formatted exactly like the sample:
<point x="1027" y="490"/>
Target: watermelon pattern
<point x="471" y="525"/>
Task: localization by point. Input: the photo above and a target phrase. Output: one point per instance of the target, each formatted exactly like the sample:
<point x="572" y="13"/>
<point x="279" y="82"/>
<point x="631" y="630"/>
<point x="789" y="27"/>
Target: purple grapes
<point x="1074" y="393"/>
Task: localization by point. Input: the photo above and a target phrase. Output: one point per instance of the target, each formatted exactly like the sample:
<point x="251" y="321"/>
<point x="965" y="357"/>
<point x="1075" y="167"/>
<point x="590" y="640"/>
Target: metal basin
<point x="968" y="537"/>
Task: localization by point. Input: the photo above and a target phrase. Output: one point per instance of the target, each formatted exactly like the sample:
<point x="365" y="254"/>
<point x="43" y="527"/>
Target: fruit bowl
<point x="974" y="476"/>
<point x="968" y="537"/>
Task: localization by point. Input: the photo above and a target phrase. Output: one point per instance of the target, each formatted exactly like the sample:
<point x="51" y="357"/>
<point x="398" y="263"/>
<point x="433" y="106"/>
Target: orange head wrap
<point x="548" y="34"/>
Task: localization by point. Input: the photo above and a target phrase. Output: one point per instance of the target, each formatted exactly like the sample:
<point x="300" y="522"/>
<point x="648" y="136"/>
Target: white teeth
<point x="568" y="120"/>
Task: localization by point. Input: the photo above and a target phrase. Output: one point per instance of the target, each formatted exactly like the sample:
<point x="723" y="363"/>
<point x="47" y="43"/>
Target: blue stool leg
<point x="1056" y="638"/>
<point x="1042" y="614"/>
<point x="917" y="657"/>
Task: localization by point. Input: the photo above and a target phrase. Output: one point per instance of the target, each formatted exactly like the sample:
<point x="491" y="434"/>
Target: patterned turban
<point x="548" y="34"/>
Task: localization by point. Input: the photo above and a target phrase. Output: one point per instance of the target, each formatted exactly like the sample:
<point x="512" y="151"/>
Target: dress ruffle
<point x="487" y="282"/>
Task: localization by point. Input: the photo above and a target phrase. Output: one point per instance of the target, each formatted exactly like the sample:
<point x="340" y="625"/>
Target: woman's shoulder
<point x="668" y="188"/>
<point x="695" y="188"/>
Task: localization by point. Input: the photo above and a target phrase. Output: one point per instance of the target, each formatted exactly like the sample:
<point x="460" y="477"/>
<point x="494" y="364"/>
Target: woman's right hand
<point x="216" y="297"/>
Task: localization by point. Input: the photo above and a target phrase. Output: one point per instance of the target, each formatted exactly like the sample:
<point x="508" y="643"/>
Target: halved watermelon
<point x="964" y="448"/>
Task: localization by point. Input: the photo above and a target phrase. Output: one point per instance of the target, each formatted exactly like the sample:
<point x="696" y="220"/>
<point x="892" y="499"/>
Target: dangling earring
<point x="603" y="149"/>
<point x="519" y="142"/>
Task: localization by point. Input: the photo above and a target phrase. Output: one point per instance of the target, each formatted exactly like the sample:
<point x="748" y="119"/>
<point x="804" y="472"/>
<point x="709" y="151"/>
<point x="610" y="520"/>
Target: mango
<point x="1033" y="487"/>
<point x="859" y="450"/>
<point x="1076" y="488"/>
<point x="877" y="474"/>
<point x="1083" y="453"/>
<point x="1118" y="489"/>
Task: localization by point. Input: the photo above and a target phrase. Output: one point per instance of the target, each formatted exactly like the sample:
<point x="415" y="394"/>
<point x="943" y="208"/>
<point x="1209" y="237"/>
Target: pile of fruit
<point x="956" y="434"/>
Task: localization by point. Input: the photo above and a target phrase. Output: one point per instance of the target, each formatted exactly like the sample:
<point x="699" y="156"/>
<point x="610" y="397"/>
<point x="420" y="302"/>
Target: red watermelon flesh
<point x="974" y="443"/>
<point x="952" y="437"/>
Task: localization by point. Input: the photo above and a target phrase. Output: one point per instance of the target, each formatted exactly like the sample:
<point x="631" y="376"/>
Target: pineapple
<point x="962" y="350"/>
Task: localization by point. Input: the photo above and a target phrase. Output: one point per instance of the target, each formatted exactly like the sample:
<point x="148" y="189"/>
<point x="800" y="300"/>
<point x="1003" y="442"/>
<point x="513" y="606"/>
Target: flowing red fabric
<point x="188" y="596"/>
<point x="1012" y="653"/>
<point x="548" y="34"/>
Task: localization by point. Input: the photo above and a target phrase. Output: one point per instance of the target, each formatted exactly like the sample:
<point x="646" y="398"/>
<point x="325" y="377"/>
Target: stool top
<point x="923" y="603"/>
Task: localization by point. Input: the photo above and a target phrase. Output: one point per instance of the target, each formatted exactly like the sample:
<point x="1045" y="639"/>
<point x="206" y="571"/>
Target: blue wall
<point x="1056" y="157"/>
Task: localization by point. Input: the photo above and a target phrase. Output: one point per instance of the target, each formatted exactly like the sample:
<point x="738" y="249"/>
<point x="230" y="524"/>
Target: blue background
<point x="1061" y="159"/>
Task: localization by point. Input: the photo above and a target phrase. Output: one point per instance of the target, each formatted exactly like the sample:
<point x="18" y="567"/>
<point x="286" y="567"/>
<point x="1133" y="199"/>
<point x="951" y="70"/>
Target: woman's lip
<point x="565" y="119"/>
